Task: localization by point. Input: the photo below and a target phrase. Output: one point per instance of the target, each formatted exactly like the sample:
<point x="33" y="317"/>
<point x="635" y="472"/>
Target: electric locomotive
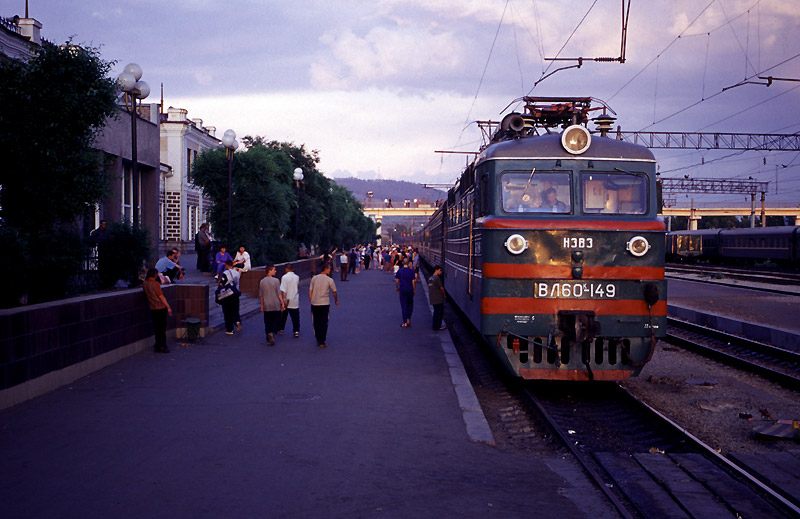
<point x="551" y="244"/>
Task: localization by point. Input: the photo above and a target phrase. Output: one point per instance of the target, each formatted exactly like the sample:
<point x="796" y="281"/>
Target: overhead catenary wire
<point x="558" y="54"/>
<point x="662" y="52"/>
<point x="480" y="83"/>
<point x="716" y="94"/>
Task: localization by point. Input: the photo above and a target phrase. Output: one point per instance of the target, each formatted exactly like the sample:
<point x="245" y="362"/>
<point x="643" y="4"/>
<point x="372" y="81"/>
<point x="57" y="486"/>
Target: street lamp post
<point x="130" y="82"/>
<point x="229" y="141"/>
<point x="298" y="177"/>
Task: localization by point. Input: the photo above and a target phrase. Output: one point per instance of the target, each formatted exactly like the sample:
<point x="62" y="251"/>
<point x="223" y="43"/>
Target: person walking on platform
<point x="437" y="297"/>
<point x="318" y="293"/>
<point x="159" y="310"/>
<point x="230" y="305"/>
<point x="272" y="303"/>
<point x="291" y="296"/>
<point x="406" y="284"/>
<point x="343" y="260"/>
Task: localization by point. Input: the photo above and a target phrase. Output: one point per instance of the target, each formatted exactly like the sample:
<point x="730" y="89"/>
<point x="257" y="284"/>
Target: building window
<point x="127" y="194"/>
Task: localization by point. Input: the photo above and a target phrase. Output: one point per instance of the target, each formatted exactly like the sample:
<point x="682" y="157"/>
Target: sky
<point x="377" y="87"/>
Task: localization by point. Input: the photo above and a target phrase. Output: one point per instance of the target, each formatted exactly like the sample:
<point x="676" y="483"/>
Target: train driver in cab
<point x="517" y="199"/>
<point x="551" y="203"/>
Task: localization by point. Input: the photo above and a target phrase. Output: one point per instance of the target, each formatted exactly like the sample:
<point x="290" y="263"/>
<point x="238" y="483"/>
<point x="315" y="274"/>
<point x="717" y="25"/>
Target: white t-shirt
<point x="289" y="286"/>
<point x="233" y="276"/>
<point x="343" y="258"/>
<point x="243" y="258"/>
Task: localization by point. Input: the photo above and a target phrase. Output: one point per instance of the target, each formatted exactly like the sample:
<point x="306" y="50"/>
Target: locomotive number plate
<point x="575" y="290"/>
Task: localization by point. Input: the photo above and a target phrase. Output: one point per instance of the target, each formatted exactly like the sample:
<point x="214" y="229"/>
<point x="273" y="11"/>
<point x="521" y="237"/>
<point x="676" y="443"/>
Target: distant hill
<point x="394" y="189"/>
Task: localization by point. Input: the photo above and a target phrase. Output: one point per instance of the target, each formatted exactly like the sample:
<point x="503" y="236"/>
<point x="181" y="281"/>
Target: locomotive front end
<point x="572" y="267"/>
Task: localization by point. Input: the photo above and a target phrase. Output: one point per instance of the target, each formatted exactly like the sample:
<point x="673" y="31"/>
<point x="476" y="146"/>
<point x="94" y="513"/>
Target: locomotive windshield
<point x="536" y="192"/>
<point x="614" y="193"/>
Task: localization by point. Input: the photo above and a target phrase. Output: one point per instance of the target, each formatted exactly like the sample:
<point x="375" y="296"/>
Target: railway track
<point x="646" y="466"/>
<point x="772" y="363"/>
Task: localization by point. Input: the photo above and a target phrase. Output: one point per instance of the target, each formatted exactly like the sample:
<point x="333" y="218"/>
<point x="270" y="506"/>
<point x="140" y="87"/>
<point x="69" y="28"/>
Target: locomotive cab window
<point x="614" y="193"/>
<point x="536" y="192"/>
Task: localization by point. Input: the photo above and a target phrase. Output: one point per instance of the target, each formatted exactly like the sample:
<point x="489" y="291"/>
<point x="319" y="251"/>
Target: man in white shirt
<point x="289" y="288"/>
<point x="344" y="259"/>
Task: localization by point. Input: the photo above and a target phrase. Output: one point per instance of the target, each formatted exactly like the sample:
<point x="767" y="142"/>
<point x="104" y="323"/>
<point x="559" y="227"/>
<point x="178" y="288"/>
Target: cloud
<point x="402" y="55"/>
<point x="203" y="77"/>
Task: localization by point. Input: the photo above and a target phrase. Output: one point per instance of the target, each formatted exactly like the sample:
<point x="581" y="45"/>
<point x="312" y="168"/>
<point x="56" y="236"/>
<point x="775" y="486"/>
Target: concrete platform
<point x="380" y="424"/>
<point x="746" y="311"/>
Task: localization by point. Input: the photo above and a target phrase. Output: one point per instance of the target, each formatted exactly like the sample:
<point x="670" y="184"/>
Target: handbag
<point x="223" y="292"/>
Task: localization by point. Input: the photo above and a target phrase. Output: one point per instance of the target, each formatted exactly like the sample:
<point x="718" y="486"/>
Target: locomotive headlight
<point x="638" y="246"/>
<point x="516" y="244"/>
<point x="576" y="139"/>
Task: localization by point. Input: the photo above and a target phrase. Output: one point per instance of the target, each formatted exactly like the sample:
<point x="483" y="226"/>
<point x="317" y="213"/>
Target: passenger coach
<point x="551" y="245"/>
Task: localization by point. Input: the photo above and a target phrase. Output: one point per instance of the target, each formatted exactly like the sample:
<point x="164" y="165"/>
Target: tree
<point x="718" y="222"/>
<point x="260" y="209"/>
<point x="52" y="108"/>
<point x="265" y="201"/>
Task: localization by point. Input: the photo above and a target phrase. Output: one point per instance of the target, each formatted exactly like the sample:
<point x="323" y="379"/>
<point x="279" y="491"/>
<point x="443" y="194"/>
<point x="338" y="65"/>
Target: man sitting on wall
<point x="169" y="267"/>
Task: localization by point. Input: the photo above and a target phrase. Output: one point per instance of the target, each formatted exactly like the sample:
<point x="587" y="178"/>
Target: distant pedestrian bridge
<point x="377" y="210"/>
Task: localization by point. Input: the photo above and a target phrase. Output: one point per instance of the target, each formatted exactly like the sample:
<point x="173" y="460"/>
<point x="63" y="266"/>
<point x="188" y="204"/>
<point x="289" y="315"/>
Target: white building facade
<point x="183" y="206"/>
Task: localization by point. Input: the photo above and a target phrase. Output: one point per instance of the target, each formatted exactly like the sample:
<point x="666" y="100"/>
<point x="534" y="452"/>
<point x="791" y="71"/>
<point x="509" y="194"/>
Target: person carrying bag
<point x="227" y="296"/>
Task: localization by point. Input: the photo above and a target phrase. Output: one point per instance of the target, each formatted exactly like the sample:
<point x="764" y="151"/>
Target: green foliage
<point x="16" y="247"/>
<point x="122" y="255"/>
<point x="54" y="259"/>
<point x="271" y="214"/>
<point x="53" y="106"/>
<point x="718" y="222"/>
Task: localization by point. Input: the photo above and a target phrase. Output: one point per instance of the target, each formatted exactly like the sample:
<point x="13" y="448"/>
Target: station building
<point x="183" y="206"/>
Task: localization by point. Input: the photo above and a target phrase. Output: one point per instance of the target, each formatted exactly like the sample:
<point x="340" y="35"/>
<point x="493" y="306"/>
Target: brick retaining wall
<point x="50" y="344"/>
<point x="250" y="280"/>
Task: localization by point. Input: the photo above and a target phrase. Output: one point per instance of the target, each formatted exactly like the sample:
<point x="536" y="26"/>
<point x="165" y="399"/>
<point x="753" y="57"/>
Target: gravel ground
<point x="707" y="398"/>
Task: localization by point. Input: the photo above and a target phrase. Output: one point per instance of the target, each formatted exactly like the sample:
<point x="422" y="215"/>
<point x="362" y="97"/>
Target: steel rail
<point x="786" y="501"/>
<point x="785" y="380"/>
<point x="582" y="459"/>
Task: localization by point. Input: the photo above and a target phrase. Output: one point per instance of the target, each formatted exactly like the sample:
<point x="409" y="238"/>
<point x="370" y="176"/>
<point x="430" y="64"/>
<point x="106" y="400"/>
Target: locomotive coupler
<point x="578" y="326"/>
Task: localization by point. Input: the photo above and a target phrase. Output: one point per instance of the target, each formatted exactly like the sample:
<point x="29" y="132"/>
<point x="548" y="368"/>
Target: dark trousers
<point x="202" y="259"/>
<point x="438" y="313"/>
<point x="343" y="273"/>
<point x="230" y="311"/>
<point x="406" y="304"/>
<point x="160" y="327"/>
<point x="295" y="313"/>
<point x="319" y="314"/>
<point x="172" y="273"/>
<point x="272" y="321"/>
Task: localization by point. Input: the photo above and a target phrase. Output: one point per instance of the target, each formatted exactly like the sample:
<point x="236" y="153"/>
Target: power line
<point x="662" y="52"/>
<point x="749" y="108"/>
<point x="563" y="46"/>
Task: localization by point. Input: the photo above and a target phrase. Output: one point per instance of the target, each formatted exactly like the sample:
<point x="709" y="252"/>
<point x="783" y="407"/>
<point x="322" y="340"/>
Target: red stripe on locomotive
<point x="528" y="305"/>
<point x="574" y="375"/>
<point x="516" y="271"/>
